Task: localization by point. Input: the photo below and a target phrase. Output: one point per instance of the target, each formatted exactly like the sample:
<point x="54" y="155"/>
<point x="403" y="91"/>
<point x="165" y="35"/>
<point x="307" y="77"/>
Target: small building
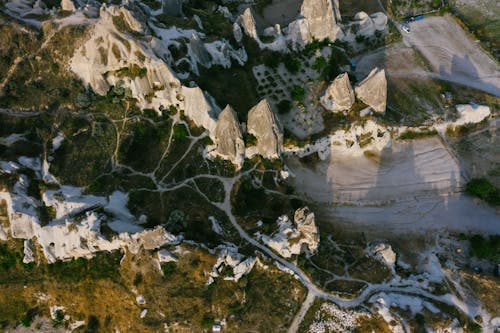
<point x="216" y="328"/>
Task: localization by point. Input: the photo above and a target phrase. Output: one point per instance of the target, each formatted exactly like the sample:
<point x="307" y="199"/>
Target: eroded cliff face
<point x="263" y="124"/>
<point x="110" y="56"/>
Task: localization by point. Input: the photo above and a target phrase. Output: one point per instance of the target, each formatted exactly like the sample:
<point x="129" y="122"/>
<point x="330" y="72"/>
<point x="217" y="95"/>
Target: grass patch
<point x="483" y="189"/>
<point x="413" y="135"/>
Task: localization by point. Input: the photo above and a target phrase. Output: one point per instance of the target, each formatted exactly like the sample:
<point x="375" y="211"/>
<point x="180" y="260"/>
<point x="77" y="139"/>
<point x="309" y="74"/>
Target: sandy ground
<point x="408" y="186"/>
<point x="453" y="54"/>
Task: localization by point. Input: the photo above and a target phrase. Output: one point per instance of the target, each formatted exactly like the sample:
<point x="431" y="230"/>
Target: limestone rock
<point x="373" y="90"/>
<point x="471" y="113"/>
<point x="247" y="21"/>
<point x="339" y="95"/>
<point x="229" y="257"/>
<point x="321" y="19"/>
<point x="228" y="136"/>
<point x="166" y="256"/>
<point x="68" y="5"/>
<point x="172" y="7"/>
<point x="263" y="124"/>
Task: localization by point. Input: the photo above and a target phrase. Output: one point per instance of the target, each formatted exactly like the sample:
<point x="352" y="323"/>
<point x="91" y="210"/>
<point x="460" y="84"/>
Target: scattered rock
<point x="228" y="137"/>
<point x="373" y="90"/>
<point x="263" y="124"/>
<point x="339" y="96"/>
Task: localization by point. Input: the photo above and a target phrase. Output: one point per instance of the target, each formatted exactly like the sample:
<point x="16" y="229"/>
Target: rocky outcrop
<point x="373" y="90"/>
<point x="247" y="21"/>
<point x="321" y="19"/>
<point x="365" y="25"/>
<point x="230" y="258"/>
<point x="263" y="124"/>
<point x="294" y="238"/>
<point x="172" y="7"/>
<point x="238" y="34"/>
<point x="384" y="253"/>
<point x="228" y="137"/>
<point x="339" y="96"/>
<point x="471" y="113"/>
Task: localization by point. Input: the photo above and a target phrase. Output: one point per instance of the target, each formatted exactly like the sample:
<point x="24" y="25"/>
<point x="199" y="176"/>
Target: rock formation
<point x="294" y="238"/>
<point x="263" y="124"/>
<point x="198" y="107"/>
<point x="172" y="7"/>
<point x="228" y="137"/>
<point x="365" y="25"/>
<point x="247" y="21"/>
<point x="471" y="113"/>
<point x="373" y="90"/>
<point x="384" y="253"/>
<point x="298" y="32"/>
<point x="321" y="19"/>
<point x="339" y="96"/>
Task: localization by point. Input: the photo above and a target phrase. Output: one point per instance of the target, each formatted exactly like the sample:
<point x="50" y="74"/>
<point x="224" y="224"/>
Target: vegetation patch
<point x="483" y="189"/>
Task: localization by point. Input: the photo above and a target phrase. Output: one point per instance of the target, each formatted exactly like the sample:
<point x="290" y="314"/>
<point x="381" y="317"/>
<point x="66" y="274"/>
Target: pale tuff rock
<point x="97" y="61"/>
<point x="366" y="25"/>
<point x="229" y="257"/>
<point x="238" y="34"/>
<point x="198" y="107"/>
<point x="263" y="124"/>
<point x="68" y="5"/>
<point x="28" y="252"/>
<point x="298" y="32"/>
<point x="471" y="113"/>
<point x="339" y="96"/>
<point x="373" y="90"/>
<point x="199" y="51"/>
<point x="221" y="53"/>
<point x="172" y="7"/>
<point x="228" y="137"/>
<point x="65" y="238"/>
<point x="384" y="253"/>
<point x="294" y="238"/>
<point x="247" y="21"/>
<point x="321" y="19"/>
<point x="166" y="256"/>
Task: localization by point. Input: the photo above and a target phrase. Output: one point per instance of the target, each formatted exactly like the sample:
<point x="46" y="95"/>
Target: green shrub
<point x="180" y="132"/>
<point x="483" y="189"/>
<point x="298" y="93"/>
<point x="485" y="248"/>
<point x="284" y="106"/>
<point x="250" y="140"/>
<point x="410" y="135"/>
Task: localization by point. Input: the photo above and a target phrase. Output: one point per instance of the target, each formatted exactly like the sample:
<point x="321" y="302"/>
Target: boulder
<point x="263" y="124"/>
<point x="247" y="21"/>
<point x="384" y="253"/>
<point x="238" y="34"/>
<point x="68" y="5"/>
<point x="339" y="96"/>
<point x="321" y="19"/>
<point x="306" y="225"/>
<point x="373" y="90"/>
<point x="228" y="137"/>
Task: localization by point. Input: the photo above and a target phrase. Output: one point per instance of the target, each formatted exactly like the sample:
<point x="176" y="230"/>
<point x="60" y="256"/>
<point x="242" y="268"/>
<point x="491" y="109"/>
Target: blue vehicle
<point x="418" y="17"/>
